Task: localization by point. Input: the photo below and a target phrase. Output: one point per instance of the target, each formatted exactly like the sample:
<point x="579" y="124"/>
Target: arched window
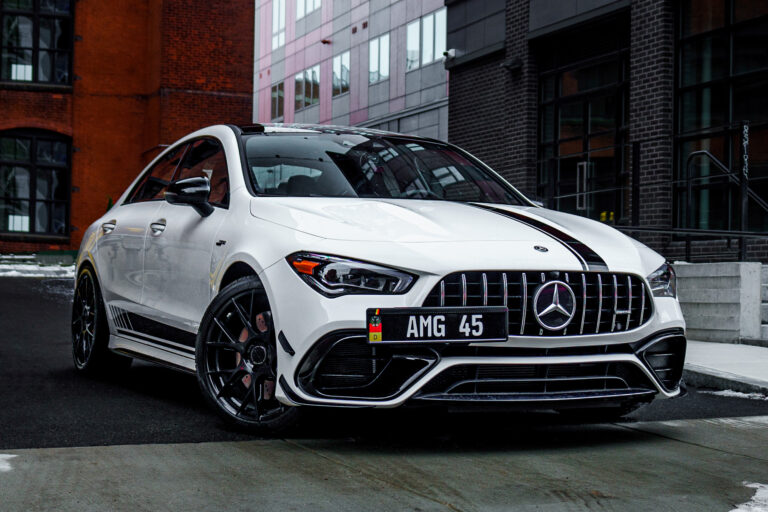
<point x="36" y="41"/>
<point x="34" y="182"/>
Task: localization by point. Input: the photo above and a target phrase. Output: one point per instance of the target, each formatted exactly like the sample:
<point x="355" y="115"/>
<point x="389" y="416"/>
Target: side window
<point x="205" y="157"/>
<point x="152" y="186"/>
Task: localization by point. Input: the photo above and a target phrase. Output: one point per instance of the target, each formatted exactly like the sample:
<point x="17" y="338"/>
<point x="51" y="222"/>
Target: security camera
<point x="449" y="54"/>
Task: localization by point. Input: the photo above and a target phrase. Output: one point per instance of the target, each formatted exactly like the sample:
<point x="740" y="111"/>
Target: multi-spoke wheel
<point x="237" y="358"/>
<point x="90" y="332"/>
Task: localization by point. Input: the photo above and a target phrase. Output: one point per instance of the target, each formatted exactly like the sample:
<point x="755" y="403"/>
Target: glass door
<point x="583" y="164"/>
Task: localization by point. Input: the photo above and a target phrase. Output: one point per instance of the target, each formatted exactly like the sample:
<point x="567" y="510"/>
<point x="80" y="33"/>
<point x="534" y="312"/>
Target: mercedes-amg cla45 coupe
<point x="295" y="265"/>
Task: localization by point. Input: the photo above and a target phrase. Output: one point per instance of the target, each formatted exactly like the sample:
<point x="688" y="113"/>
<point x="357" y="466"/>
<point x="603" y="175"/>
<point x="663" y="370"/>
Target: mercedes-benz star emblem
<point x="554" y="305"/>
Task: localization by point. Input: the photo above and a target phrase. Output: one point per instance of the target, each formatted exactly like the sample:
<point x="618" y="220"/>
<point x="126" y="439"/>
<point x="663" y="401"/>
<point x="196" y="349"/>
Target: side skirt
<point x="153" y="351"/>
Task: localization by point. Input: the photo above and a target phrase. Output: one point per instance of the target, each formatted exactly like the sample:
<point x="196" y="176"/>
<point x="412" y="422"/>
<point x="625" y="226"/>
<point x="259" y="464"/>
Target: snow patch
<point x="5" y="465"/>
<point x="736" y="394"/>
<point x="35" y="270"/>
<point x="758" y="503"/>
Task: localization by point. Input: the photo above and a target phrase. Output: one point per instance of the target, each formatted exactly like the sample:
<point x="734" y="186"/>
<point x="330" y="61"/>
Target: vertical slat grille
<point x="605" y="302"/>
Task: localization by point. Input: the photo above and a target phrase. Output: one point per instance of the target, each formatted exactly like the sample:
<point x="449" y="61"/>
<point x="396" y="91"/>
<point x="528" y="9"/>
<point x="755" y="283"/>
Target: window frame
<point x="36" y="15"/>
<point x="730" y="81"/>
<point x="305" y="10"/>
<point x="437" y="51"/>
<point x="139" y="181"/>
<point x="379" y="77"/>
<point x="34" y="167"/>
<point x="220" y="144"/>
<point x="338" y="91"/>
<point x="304" y="79"/>
<point x="277" y="101"/>
<point x="278" y="29"/>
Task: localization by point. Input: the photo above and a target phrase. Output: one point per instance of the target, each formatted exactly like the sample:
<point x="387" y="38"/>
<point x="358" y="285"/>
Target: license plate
<point x="406" y="325"/>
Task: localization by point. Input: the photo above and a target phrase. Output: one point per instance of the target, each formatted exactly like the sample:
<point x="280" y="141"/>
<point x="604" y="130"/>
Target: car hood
<point x="407" y="221"/>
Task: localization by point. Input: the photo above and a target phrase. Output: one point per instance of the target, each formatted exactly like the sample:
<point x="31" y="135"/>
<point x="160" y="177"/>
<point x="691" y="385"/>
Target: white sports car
<point x="294" y="265"/>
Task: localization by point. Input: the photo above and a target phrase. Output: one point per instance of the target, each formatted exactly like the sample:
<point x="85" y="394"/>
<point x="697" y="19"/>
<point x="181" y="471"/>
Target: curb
<point x="702" y="377"/>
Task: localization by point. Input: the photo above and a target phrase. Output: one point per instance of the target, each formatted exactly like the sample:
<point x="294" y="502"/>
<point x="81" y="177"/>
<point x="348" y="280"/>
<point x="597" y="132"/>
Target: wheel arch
<point x="235" y="271"/>
<point x="86" y="263"/>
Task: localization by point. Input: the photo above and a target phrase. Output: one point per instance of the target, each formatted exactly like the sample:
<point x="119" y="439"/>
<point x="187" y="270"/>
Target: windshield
<point x="354" y="165"/>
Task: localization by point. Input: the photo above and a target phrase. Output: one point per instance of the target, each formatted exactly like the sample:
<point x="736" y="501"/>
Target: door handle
<point x="157" y="227"/>
<point x="109" y="226"/>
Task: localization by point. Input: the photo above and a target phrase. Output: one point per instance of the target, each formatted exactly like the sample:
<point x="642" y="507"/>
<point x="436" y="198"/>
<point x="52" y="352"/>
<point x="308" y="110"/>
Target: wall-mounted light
<point x="514" y="66"/>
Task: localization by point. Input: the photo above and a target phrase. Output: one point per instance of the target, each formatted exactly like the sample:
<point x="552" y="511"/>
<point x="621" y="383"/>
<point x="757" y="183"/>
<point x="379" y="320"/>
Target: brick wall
<point x="147" y="72"/>
<point x="651" y="113"/>
<point x="207" y="64"/>
<point x="493" y="111"/>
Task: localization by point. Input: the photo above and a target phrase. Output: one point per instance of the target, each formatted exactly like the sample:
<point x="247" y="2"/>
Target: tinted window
<point x="154" y="182"/>
<point x="205" y="157"/>
<point x="354" y="165"/>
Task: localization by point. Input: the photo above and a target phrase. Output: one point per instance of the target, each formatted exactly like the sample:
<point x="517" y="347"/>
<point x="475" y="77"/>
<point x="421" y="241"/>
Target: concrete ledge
<point x="721" y="301"/>
<point x="701" y="377"/>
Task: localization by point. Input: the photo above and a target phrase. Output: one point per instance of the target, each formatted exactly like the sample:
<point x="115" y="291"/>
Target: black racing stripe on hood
<point x="589" y="259"/>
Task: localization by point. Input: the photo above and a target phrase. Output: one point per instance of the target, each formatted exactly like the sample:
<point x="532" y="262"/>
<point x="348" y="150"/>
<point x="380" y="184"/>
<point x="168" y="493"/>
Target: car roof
<point x="325" y="128"/>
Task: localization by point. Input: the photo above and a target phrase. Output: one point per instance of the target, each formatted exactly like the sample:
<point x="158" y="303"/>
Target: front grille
<point x="605" y="302"/>
<point x="542" y="380"/>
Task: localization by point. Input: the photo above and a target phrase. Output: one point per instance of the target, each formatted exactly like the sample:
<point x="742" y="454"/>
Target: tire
<point x="236" y="356"/>
<point x="90" y="330"/>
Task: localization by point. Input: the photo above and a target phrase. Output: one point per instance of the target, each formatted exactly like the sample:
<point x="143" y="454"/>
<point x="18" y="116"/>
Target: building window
<point x="34" y="183"/>
<point x="278" y="23"/>
<point x="278" y="100"/>
<point x="425" y="38"/>
<point x="308" y="87"/>
<point x="378" y="59"/>
<point x="721" y="82"/>
<point x="36" y="39"/>
<point x="341" y="74"/>
<point x="583" y="122"/>
<point x="304" y="7"/>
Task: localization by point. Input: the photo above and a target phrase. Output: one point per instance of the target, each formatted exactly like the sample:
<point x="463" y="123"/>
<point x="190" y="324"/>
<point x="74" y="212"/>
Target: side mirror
<point x="193" y="192"/>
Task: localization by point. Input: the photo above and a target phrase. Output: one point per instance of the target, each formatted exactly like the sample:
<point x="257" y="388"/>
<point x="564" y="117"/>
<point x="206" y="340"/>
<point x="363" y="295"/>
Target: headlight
<point x="663" y="281"/>
<point x="333" y="276"/>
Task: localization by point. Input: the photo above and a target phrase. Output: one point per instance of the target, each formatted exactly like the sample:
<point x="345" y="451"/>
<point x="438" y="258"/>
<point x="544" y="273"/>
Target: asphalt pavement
<point x="145" y="440"/>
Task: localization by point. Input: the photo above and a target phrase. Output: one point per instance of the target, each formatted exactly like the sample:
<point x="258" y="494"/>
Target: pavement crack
<point x="690" y="443"/>
<point x="373" y="476"/>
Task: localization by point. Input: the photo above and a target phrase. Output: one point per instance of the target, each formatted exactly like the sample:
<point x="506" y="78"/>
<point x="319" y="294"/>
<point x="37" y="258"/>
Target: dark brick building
<point x="593" y="107"/>
<point x="89" y="90"/>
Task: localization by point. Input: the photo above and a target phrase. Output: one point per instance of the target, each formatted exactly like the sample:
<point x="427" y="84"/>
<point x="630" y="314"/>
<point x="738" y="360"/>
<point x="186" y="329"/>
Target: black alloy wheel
<point x="237" y="359"/>
<point x="90" y="332"/>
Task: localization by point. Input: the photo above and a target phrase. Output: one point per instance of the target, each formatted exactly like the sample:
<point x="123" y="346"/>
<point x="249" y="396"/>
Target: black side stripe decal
<point x="148" y="326"/>
<point x="589" y="259"/>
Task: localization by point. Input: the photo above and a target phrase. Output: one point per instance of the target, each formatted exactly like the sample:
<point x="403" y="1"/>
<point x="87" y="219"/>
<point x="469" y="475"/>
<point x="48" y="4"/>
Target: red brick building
<point x="89" y="90"/>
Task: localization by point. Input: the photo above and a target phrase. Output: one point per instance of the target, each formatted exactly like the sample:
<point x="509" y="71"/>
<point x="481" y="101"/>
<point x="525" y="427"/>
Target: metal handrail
<point x="720" y="166"/>
<point x="719" y="233"/>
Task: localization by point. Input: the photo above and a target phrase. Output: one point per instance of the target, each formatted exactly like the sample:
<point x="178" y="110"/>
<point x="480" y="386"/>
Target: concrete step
<point x="764" y="313"/>
<point x="764" y="332"/>
<point x="764" y="294"/>
<point x="764" y="275"/>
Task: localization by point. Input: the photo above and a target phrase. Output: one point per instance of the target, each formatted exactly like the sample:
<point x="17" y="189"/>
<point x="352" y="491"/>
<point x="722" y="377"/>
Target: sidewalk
<point x="723" y="366"/>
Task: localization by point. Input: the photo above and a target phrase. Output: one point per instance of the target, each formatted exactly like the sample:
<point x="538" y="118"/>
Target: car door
<point x="180" y="244"/>
<point x="120" y="249"/>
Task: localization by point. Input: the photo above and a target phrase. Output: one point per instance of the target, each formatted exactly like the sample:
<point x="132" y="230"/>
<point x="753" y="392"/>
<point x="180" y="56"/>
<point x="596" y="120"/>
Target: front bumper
<point x="327" y="341"/>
